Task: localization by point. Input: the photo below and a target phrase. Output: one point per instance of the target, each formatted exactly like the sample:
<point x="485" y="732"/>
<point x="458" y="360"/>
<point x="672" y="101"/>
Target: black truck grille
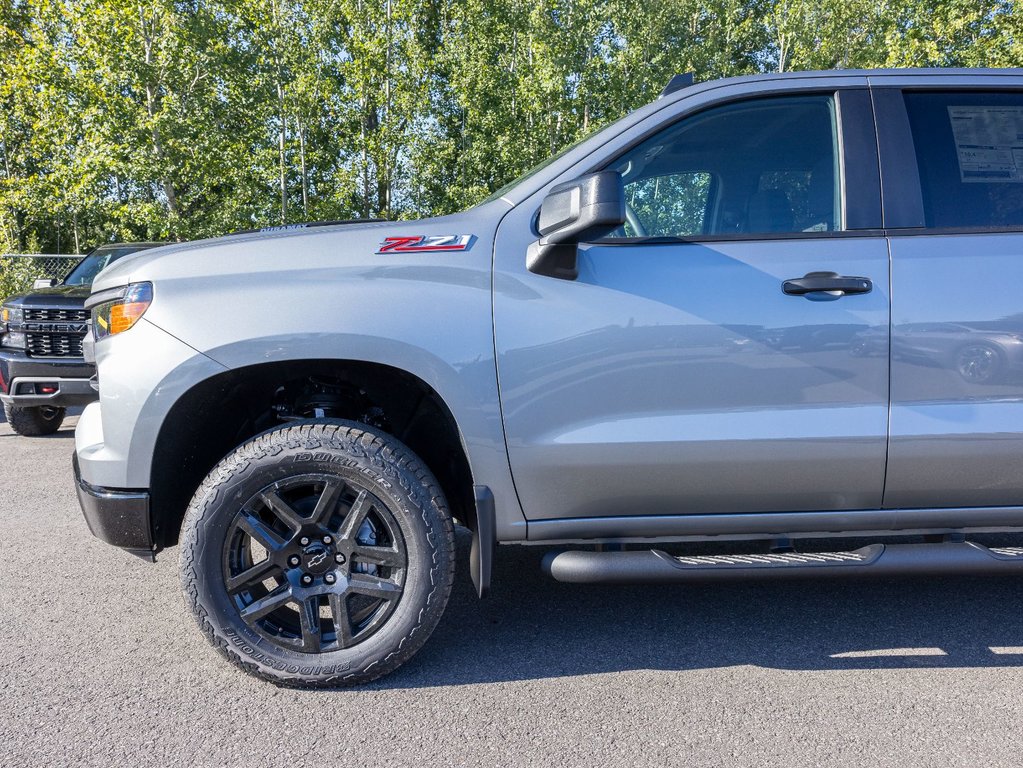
<point x="57" y="315"/>
<point x="55" y="344"/>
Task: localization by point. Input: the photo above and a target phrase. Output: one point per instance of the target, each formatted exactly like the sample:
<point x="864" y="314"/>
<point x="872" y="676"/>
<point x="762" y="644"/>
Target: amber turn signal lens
<point x="123" y="316"/>
<point x="122" y="313"/>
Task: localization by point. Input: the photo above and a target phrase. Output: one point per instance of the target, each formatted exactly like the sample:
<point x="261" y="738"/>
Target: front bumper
<point x="118" y="517"/>
<point x="28" y="381"/>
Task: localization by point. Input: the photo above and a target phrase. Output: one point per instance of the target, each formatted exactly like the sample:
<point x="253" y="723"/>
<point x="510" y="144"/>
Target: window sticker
<point x="989" y="143"/>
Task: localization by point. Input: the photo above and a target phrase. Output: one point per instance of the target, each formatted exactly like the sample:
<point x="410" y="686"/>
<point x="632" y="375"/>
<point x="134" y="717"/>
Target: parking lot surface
<point x="102" y="666"/>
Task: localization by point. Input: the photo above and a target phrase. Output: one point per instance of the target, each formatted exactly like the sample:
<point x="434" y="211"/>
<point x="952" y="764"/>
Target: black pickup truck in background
<point x="42" y="370"/>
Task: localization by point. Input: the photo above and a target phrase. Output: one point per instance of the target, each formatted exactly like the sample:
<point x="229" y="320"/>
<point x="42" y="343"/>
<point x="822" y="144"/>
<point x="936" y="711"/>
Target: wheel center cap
<point x="317" y="558"/>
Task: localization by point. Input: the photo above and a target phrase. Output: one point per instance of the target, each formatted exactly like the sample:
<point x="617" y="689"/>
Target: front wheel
<point x="34" y="421"/>
<point x="318" y="555"/>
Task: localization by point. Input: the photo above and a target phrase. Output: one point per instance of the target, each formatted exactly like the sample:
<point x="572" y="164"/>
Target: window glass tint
<point x="668" y="204"/>
<point x="755" y="167"/>
<point x="87" y="269"/>
<point x="969" y="149"/>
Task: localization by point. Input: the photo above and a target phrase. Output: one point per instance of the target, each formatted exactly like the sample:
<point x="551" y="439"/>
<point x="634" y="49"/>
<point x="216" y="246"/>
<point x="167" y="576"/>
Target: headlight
<point x="116" y="311"/>
<point x="11" y="319"/>
<point x="12" y="315"/>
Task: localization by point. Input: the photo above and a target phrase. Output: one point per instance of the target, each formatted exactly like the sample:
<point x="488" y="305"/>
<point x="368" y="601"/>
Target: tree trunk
<point x="364" y="103"/>
<point x="305" y="182"/>
<point x="282" y="136"/>
<point x="282" y="115"/>
<point x="148" y="35"/>
<point x="384" y="170"/>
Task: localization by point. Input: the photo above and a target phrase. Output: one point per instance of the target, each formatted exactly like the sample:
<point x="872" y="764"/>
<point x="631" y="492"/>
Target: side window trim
<point x="858" y="153"/>
<point x="902" y="200"/>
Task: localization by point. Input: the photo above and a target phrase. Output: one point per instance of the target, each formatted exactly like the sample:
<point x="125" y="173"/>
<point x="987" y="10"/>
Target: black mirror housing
<point x="574" y="212"/>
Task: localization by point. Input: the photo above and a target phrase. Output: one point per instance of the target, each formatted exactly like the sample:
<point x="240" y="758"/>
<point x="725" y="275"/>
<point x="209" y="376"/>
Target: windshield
<point x="87" y="269"/>
<point x="537" y="168"/>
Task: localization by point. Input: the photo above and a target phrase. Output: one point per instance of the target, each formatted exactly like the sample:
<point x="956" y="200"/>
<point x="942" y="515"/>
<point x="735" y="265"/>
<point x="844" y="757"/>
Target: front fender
<point x="469" y="391"/>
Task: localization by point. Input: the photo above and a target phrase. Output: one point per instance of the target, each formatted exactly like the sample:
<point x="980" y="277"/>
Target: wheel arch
<point x="218" y="413"/>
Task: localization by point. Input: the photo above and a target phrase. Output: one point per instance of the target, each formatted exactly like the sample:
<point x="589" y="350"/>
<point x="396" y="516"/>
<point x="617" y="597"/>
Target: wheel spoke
<point x="373" y="586"/>
<point x="370" y="565"/>
<point x="267" y="604"/>
<point x="326" y="505"/>
<point x="355" y="517"/>
<point x="259" y="531"/>
<point x="282" y="509"/>
<point x="379" y="556"/>
<point x="342" y="621"/>
<point x="253" y="575"/>
<point x="309" y="615"/>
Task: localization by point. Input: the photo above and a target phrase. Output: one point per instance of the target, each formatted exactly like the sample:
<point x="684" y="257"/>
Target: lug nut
<point x="329" y="578"/>
<point x="304" y="541"/>
<point x="293" y="560"/>
<point x="327" y="539"/>
<point x="339" y="558"/>
<point x="307" y="579"/>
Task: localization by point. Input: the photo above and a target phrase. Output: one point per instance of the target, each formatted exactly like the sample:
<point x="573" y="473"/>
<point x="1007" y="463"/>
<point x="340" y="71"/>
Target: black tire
<point x="35" y="421"/>
<point x="298" y="484"/>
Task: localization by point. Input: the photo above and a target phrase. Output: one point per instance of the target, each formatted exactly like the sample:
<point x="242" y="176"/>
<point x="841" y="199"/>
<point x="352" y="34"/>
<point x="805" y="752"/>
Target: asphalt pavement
<point x="101" y="665"/>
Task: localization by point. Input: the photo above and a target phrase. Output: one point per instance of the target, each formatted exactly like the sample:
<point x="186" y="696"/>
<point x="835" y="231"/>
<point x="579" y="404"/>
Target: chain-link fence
<point x="19" y="270"/>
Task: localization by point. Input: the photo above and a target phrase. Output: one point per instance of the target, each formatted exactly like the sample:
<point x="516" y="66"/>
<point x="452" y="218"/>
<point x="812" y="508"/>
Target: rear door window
<point x="969" y="151"/>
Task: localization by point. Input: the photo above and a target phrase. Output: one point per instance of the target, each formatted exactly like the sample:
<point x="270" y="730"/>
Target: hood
<point x="59" y="296"/>
<point x="246" y="256"/>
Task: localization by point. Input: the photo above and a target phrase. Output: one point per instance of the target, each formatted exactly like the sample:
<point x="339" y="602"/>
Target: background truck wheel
<point x="35" y="421"/>
<point x="318" y="555"/>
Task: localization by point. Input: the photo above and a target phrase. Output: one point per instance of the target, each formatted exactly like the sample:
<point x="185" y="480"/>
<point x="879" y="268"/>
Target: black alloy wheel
<point x="315" y="563"/>
<point x="319" y="554"/>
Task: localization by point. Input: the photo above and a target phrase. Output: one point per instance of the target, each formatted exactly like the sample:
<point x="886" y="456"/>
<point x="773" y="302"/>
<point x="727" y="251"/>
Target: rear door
<point x="956" y="239"/>
<point x="675" y="376"/>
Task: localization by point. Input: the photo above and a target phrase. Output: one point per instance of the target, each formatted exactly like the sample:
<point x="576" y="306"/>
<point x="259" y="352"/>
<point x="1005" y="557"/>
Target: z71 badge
<point x="425" y="243"/>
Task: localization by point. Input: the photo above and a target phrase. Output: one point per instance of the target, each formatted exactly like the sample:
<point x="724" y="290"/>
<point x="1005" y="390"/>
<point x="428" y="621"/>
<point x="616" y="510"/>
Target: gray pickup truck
<point x="758" y="311"/>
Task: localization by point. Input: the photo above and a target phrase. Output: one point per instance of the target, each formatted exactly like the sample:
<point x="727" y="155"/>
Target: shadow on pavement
<point x="533" y="627"/>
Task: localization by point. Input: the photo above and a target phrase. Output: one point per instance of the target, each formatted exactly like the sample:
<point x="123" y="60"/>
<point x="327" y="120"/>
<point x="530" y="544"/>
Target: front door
<point x="675" y="375"/>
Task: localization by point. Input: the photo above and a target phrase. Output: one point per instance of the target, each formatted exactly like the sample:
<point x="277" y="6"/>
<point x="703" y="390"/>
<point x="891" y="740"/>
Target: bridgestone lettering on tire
<point x="318" y="555"/>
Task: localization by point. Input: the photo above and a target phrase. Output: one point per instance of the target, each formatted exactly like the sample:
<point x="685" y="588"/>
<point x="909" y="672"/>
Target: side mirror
<point x="44" y="282"/>
<point x="574" y="212"/>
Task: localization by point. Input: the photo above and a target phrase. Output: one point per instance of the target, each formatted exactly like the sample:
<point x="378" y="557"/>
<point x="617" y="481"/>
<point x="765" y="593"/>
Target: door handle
<point x="831" y="283"/>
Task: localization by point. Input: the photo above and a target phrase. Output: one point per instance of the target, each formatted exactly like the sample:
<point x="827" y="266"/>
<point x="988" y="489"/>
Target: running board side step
<point x="657" y="567"/>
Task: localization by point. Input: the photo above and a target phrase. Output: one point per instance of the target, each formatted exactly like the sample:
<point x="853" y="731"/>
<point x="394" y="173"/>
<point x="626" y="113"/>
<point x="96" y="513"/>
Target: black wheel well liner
<point x="220" y="413"/>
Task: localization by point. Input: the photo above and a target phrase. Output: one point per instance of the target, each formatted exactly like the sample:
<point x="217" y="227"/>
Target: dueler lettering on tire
<point x="318" y="554"/>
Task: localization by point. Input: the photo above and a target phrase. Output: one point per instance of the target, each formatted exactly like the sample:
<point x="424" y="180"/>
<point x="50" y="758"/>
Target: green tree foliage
<point x="177" y="119"/>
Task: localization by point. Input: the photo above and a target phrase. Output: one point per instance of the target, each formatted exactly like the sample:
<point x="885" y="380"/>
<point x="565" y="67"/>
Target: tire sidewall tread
<point x="30" y="422"/>
<point x="414" y="489"/>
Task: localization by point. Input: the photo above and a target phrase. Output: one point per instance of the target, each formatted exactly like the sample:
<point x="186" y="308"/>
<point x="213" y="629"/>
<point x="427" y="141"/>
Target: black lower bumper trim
<point x="24" y="392"/>
<point x="118" y="517"/>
